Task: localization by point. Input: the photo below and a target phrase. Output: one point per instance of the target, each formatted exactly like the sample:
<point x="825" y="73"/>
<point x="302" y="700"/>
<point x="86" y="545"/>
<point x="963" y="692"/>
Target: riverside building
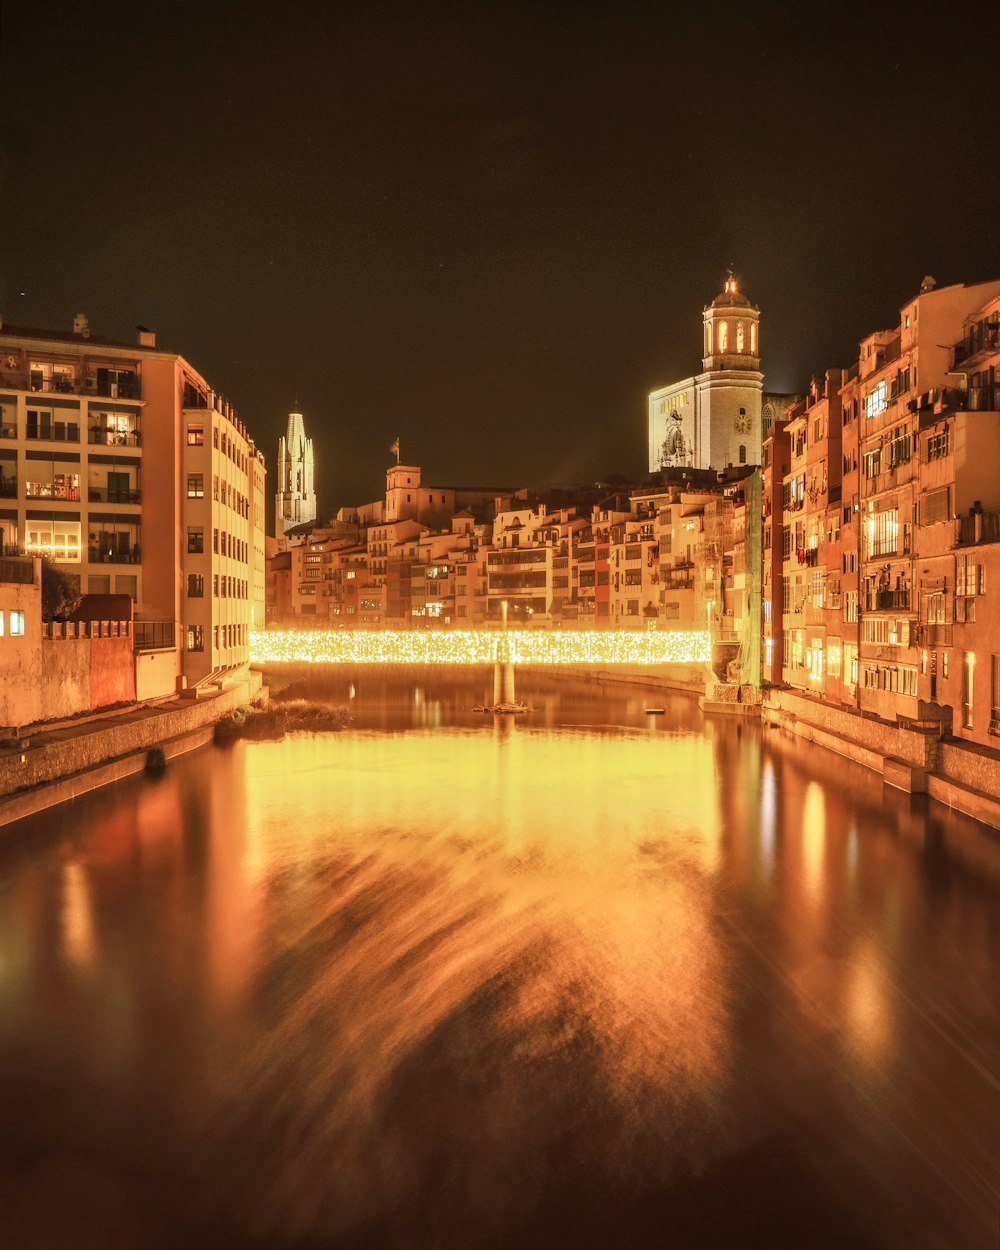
<point x="123" y="466"/>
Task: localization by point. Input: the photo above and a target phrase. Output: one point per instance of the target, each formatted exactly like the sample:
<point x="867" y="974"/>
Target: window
<point x="196" y="486"/>
<point x="968" y="687"/>
<point x="196" y="435"/>
<point x="969" y="581"/>
<point x="196" y="540"/>
<point x="875" y="401"/>
<point x="196" y="586"/>
<point x="739" y="336"/>
<point x="882" y="532"/>
<point x="196" y="638"/>
<point x="743" y="453"/>
<point x="723" y="336"/>
<point x="59" y="540"/>
<point x="937" y="444"/>
<point x="16" y="623"/>
<point x="935" y="506"/>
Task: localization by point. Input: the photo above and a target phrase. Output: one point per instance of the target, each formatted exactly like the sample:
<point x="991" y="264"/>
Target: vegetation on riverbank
<point x="275" y="719"/>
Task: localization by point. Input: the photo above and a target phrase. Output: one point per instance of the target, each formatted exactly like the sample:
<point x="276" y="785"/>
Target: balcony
<point x="979" y="527"/>
<point x="8" y="487"/>
<point x="889" y="600"/>
<point x="57" y="384"/>
<point x="105" y="436"/>
<point x="983" y="340"/>
<point x="52" y="490"/>
<point x="124" y="555"/>
<point x="934" y="635"/>
<point x="101" y="494"/>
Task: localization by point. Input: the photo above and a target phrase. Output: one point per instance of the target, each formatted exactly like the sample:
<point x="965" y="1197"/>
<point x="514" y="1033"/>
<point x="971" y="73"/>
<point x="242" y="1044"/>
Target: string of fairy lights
<point x="542" y="647"/>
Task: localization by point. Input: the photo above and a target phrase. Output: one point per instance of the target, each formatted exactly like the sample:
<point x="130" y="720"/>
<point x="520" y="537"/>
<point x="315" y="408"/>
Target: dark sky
<point x="488" y="229"/>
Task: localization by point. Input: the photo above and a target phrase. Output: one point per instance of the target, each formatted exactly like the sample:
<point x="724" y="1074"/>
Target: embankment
<point x="49" y="767"/>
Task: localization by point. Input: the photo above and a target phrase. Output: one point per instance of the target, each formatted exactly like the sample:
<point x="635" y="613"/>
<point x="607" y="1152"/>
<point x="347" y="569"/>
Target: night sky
<point x="487" y="229"/>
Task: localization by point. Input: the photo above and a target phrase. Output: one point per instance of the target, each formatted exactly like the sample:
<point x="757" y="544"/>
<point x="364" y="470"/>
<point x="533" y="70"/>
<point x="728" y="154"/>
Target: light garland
<point x="541" y="647"/>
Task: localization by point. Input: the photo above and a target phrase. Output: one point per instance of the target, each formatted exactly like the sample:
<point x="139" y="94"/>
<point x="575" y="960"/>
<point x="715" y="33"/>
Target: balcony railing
<point x="58" y="384"/>
<point x="98" y="555"/>
<point x="105" y="437"/>
<point x="52" y="490"/>
<point x="101" y="494"/>
<point x="889" y="601"/>
<point x="979" y="527"/>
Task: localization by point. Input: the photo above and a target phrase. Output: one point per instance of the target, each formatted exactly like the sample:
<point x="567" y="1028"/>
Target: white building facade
<point x="718" y="417"/>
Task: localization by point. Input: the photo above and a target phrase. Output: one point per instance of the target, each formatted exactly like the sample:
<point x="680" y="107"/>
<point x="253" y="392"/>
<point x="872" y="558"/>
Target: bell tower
<point x="731" y="386"/>
<point x="731" y="330"/>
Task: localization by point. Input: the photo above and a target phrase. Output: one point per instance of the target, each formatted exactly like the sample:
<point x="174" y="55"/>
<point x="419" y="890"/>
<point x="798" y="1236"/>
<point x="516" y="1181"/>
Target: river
<point x="594" y="978"/>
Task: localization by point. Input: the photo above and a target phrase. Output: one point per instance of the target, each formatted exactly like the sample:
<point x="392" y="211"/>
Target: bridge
<point x="598" y="647"/>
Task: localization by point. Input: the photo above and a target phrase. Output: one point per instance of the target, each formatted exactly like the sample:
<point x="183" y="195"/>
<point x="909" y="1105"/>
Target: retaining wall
<point x="877" y="738"/>
<point x="63" y="752"/>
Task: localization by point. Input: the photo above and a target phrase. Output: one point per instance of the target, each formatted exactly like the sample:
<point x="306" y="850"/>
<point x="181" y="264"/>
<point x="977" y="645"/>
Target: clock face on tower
<point x="742" y="424"/>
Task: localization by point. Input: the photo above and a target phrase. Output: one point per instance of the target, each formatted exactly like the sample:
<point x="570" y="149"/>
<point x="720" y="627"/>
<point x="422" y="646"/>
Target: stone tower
<point x="295" y="499"/>
<point x="731" y="384"/>
<point x="713" y="420"/>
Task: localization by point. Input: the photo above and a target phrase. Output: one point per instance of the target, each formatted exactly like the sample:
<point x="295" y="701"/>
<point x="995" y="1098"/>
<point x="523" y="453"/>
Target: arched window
<point x="753" y="338"/>
<point x="708" y="338"/>
<point x="743" y="453"/>
<point x="723" y="336"/>
<point x="739" y="336"/>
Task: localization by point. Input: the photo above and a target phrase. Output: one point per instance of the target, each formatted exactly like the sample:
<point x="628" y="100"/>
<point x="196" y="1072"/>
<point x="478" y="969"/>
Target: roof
<point x="68" y="336"/>
<point x="730" y="296"/>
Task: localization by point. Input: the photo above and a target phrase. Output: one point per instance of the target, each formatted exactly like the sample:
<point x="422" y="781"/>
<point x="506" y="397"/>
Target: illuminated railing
<point x="479" y="647"/>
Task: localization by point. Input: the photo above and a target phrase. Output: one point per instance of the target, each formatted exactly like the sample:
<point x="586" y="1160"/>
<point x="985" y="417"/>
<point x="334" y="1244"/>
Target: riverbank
<point x="48" y="765"/>
<point x="911" y="758"/>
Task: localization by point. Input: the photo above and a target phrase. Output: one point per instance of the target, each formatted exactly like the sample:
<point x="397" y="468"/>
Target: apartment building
<point x="123" y="465"/>
<point x="904" y="375"/>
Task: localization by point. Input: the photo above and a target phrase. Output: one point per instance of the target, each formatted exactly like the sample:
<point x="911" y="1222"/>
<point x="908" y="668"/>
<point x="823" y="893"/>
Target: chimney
<point x="81" y="325"/>
<point x="147" y="337"/>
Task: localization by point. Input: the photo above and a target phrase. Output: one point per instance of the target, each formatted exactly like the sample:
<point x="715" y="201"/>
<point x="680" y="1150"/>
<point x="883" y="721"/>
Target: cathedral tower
<point x="295" y="500"/>
<point x="713" y="420"/>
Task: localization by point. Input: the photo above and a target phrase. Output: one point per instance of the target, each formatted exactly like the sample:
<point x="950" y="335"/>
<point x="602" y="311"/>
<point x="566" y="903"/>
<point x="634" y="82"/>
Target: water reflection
<point x="445" y="979"/>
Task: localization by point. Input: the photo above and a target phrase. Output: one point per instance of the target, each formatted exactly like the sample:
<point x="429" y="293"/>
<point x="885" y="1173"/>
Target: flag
<point x="394" y="449"/>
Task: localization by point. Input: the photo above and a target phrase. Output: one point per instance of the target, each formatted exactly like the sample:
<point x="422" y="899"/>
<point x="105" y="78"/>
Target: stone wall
<point x="60" y="754"/>
<point x="880" y="737"/>
<point x="977" y="769"/>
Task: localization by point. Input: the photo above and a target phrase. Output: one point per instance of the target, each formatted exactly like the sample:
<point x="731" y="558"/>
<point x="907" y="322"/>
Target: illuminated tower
<point x="717" y="418"/>
<point x="731" y="385"/>
<point x="295" y="499"/>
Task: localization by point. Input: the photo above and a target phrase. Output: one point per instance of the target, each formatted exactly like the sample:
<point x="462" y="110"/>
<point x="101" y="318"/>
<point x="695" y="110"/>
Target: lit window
<point x="16" y="624"/>
<point x="196" y="435"/>
<point x="723" y="336"/>
<point x="196" y="486"/>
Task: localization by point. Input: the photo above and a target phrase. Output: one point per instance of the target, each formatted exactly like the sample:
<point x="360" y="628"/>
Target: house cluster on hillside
<point x="590" y="558"/>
